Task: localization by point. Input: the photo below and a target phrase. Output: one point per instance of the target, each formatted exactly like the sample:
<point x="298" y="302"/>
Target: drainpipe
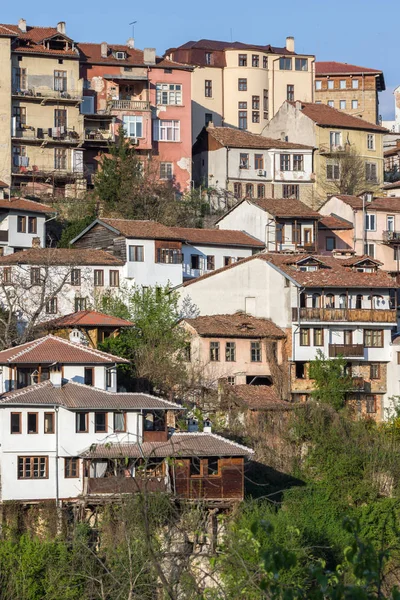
<point x="273" y="89"/>
<point x="56" y="409"/>
<point x="299" y="291"/>
<point x="227" y="168"/>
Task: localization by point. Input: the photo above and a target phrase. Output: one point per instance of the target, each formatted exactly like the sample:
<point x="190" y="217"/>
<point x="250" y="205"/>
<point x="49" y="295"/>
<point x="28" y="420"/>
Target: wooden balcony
<point x="124" y="485"/>
<point x="346" y="350"/>
<point x="130" y="105"/>
<point x="391" y="237"/>
<point x="362" y="315"/>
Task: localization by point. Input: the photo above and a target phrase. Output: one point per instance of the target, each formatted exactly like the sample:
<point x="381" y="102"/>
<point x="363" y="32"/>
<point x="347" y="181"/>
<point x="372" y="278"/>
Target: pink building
<point x="147" y="95"/>
<point x="335" y="235"/>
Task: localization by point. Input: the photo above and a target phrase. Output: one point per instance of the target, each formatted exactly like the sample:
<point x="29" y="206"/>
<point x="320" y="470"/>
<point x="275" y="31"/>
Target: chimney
<point x="207" y="426"/>
<point x="193" y="426"/>
<point x="130" y="43"/>
<point x="36" y="242"/>
<point x="55" y="378"/>
<point x="299" y="105"/>
<point x="290" y="43"/>
<point x="210" y="125"/>
<point x="149" y="56"/>
<point x="22" y="25"/>
<point x="61" y="27"/>
<point x="103" y="49"/>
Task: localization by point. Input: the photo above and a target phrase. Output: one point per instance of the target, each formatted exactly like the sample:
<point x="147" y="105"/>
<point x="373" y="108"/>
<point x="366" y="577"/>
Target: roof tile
<point x="220" y="237"/>
<point x="61" y="256"/>
<point x="238" y="325"/>
<point x="339" y="68"/>
<point x="237" y="138"/>
<point x="326" y="116"/>
<point x="86" y="318"/>
<point x="25" y="205"/>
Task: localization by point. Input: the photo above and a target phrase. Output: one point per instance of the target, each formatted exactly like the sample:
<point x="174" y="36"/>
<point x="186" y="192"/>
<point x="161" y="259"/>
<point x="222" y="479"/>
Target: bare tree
<point x="348" y="173"/>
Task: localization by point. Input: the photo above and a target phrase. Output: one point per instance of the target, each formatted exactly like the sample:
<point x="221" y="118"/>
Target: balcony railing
<point x="307" y="247"/>
<point x="357" y="384"/>
<point x="129" y="105"/>
<point x="363" y="315"/>
<point x="347" y="350"/>
<point x="98" y="135"/>
<point x="391" y="237"/>
<point x="47" y="134"/>
<point x="48" y="94"/>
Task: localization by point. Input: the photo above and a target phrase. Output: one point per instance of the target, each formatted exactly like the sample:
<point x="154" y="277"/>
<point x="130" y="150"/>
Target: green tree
<point x="331" y="384"/>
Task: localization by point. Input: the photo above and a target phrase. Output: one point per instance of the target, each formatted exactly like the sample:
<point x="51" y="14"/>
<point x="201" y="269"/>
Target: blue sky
<point x="361" y="32"/>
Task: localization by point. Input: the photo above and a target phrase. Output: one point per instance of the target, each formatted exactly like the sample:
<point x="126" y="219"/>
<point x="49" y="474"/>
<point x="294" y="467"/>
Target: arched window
<point x="330" y="301"/>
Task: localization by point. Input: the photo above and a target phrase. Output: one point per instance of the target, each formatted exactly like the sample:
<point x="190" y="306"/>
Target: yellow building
<point x="41" y="141"/>
<point x="345" y="145"/>
<point x="243" y="85"/>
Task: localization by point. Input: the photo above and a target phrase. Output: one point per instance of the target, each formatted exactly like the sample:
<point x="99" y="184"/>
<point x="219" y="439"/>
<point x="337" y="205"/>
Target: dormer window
<point x="120" y="55"/>
<point x="308" y="268"/>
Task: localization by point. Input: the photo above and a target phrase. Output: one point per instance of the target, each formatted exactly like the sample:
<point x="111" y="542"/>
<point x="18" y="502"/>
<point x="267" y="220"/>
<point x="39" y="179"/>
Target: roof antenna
<point x="133" y="28"/>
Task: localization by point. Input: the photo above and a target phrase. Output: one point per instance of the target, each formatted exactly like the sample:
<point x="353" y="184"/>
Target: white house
<point x="22" y="224"/>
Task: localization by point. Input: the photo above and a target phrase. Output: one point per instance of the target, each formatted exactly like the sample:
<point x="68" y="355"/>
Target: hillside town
<point x="197" y="250"/>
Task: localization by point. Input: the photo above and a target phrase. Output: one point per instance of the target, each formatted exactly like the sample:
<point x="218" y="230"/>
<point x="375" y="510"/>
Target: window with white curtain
<point x="167" y="131"/>
<point x="133" y="126"/>
<point x="169" y="93"/>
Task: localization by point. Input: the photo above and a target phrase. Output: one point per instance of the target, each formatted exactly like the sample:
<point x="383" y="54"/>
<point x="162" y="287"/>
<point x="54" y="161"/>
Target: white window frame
<point x="331" y="103"/>
<point x="168" y="168"/>
<point x="354" y="84"/>
<point x="370" y="221"/>
<point x="165" y="127"/>
<point x="335" y="139"/>
<point x="133" y="126"/>
<point x="367" y="250"/>
<point x="354" y="104"/>
<point x="331" y="84"/>
<point x="168" y="94"/>
<point x="390" y="221"/>
<point x="318" y="85"/>
<point x="342" y="104"/>
<point x="342" y="84"/>
<point x="371" y="141"/>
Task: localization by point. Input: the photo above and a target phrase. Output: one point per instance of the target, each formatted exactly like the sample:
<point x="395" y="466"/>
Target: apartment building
<point x="333" y="133"/>
<point x="349" y="88"/>
<point x="345" y="308"/>
<point x="149" y="96"/>
<point x="243" y="85"/>
<point x="41" y="91"/>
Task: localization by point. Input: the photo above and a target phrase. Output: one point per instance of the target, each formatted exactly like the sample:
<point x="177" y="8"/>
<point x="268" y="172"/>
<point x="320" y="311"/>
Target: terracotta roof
<point x="394" y="185"/>
<point x="79" y="396"/>
<point x="286" y="208"/>
<point x="219" y="45"/>
<point x="356" y="260"/>
<point x="25" y="205"/>
<point x="86" y="318"/>
<point x="339" y="68"/>
<point x="91" y="53"/>
<point x="217" y="237"/>
<point x="52" y="349"/>
<point x="237" y="138"/>
<point x="238" y="325"/>
<point x="39" y="49"/>
<point x="32" y="40"/>
<point x="179" y="444"/>
<point x="392" y="152"/>
<point x="355" y="202"/>
<point x="334" y="222"/>
<point x="326" y="116"/>
<point x="61" y="256"/>
<point x="396" y="341"/>
<point x="256" y="397"/>
<point x="142" y="229"/>
<point x="390" y="203"/>
<point x="3" y="185"/>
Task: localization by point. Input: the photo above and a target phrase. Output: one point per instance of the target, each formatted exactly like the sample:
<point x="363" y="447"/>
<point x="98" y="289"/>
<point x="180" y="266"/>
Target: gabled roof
<point x="3" y="185"/>
<point x="91" y="53"/>
<point x="61" y="257"/>
<point x="205" y="44"/>
<point x="217" y="237"/>
<point x="256" y="397"/>
<point x="237" y="138"/>
<point x="238" y="325"/>
<point x="51" y="349"/>
<point x="32" y="40"/>
<point x="390" y="203"/>
<point x="360" y="260"/>
<point x="179" y="444"/>
<point x="77" y="396"/>
<point x="22" y="204"/>
<point x="389" y="186"/>
<point x="333" y="222"/>
<point x="339" y="68"/>
<point x="326" y="116"/>
<point x="86" y="318"/>
<point x="286" y="208"/>
<point x="130" y="228"/>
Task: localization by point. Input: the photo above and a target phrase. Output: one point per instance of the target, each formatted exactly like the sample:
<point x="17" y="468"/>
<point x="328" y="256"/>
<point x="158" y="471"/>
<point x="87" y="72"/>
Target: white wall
<point x="24" y="240"/>
<point x="203" y="251"/>
<point x="246" y="217"/>
<point x="149" y="272"/>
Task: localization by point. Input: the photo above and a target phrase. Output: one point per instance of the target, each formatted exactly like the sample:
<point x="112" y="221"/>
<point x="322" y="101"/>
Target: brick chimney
<point x="149" y="56"/>
<point x="130" y="43"/>
<point x="61" y="27"/>
<point x="290" y="43"/>
<point x="22" y="25"/>
<point x="103" y="49"/>
<point x="36" y="242"/>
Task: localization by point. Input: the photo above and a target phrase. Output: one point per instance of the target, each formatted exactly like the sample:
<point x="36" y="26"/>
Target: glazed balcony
<point x="346" y="350"/>
<point x="363" y="315"/>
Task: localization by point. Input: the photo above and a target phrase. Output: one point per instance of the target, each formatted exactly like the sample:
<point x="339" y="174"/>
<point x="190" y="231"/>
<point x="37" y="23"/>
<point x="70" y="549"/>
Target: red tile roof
<point x="179" y="444"/>
<point x="339" y="68"/>
<point x="86" y="318"/>
<point x="52" y="349"/>
<point x="355" y="202"/>
<point x="217" y="237"/>
<point x="39" y="49"/>
<point x="33" y="40"/>
<point x="394" y="185"/>
<point x="25" y="205"/>
<point x="237" y="138"/>
<point x="219" y="45"/>
<point x="255" y="397"/>
<point x="73" y="395"/>
<point x="3" y="185"/>
<point x="91" y="53"/>
<point x="326" y="116"/>
<point x="390" y="203"/>
<point x="238" y="325"/>
<point x="286" y="208"/>
<point x="333" y="222"/>
<point x="61" y="256"/>
<point x="142" y="229"/>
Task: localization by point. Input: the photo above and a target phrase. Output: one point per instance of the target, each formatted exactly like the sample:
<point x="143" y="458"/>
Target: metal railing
<point x="46" y="94"/>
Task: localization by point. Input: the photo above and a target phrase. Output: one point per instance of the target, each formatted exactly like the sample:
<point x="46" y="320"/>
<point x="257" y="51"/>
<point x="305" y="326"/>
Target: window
<point x="259" y="161"/>
<point x="20" y="79"/>
<point x="318" y="337"/>
<point x="210" y="263"/>
<point x="19" y="112"/>
<point x="280" y="236"/>
<point x="348" y="337"/>
<point x="214" y="351"/>
<point x="237" y="190"/>
<point x="242" y="85"/>
<point x="285" y="64"/>
<point x="76" y="277"/>
<point x="100" y="422"/>
<point x="332" y="171"/>
<point x="371" y="141"/>
<point x="285" y="162"/>
<point x="136" y="253"/>
<point x="119" y="421"/>
<point x="49" y="422"/>
<point x="89" y="376"/>
<point x="230" y="351"/>
<point x="291" y="191"/>
<point x="242" y="62"/>
<point x="35" y="276"/>
<point x="371" y="404"/>
<point x="32" y="467"/>
<point x="109" y="375"/>
<point x="255" y="116"/>
<point x="71" y="468"/>
<point x="318" y="85"/>
<point x="290" y="93"/>
<point x="21" y="224"/>
<point x="331" y="84"/>
<point x="98" y="277"/>
<point x="7" y="276"/>
<point x="231" y="380"/>
<point x="60" y="81"/>
<point x="168" y="93"/>
<point x="244" y="161"/>
<point x="255" y="102"/>
<point x="212" y="464"/>
<point x="374" y="371"/>
<point x="304" y="337"/>
<point x="265" y="104"/>
<point x="120" y="55"/>
<point x="298" y="162"/>
<point x="208" y="88"/>
<point x="15" y="424"/>
<point x="208" y="118"/>
<point x="296" y="236"/>
<point x="265" y="62"/>
<point x="52" y="306"/>
<point x="373" y="338"/>
<point x="354" y="104"/>
<point x="133" y="126"/>
<point x="255" y="351"/>
<point x="166" y="170"/>
<point x="369" y="250"/>
<point x="370" y="222"/>
<point x="316" y="301"/>
<point x="342" y="104"/>
<point x="331" y="103"/>
<point x="60" y="117"/>
<point x="300" y="370"/>
<point x="167" y="131"/>
<point x="335" y="139"/>
<point x="169" y="256"/>
<point x="390" y="223"/>
<point x="330" y="244"/>
<point x="242" y="119"/>
<point x="80" y="304"/>
<point x="32" y="423"/>
<point x="260" y="190"/>
<point x="208" y="58"/>
<point x="82" y="421"/>
<point x="60" y="158"/>
<point x="242" y="105"/>
<point x="194" y="261"/>
<point x="301" y="64"/>
<point x="195" y="465"/>
<point x="354" y="84"/>
<point x="342" y="84"/>
<point x="249" y="190"/>
<point x="255" y="60"/>
<point x="114" y="278"/>
<point x="32" y="224"/>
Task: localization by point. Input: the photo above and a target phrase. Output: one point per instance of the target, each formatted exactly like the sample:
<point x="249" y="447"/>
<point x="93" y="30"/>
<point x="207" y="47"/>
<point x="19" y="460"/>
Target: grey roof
<point x="179" y="444"/>
<point x="77" y="396"/>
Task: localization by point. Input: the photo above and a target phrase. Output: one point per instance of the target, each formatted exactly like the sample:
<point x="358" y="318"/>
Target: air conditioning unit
<point x="262" y="173"/>
<point x="134" y="141"/>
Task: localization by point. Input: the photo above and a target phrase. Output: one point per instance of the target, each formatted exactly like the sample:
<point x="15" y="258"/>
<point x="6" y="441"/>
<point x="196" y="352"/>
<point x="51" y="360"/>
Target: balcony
<point x="331" y="149"/>
<point x="98" y="136"/>
<point x="362" y="315"/>
<point x="307" y="247"/>
<point x="43" y="135"/>
<point x="346" y="350"/>
<point x="124" y="485"/>
<point x="391" y="237"/>
<point x="129" y="105"/>
<point x="42" y="95"/>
